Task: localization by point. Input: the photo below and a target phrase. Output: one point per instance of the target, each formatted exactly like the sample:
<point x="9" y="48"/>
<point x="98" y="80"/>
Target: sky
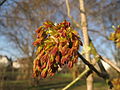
<point x="5" y="48"/>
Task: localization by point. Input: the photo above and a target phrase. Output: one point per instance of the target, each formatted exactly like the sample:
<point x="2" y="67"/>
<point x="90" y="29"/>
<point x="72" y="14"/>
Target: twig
<point x="110" y="63"/>
<point x="104" y="76"/>
<point x="2" y="2"/>
<point x="79" y="77"/>
<point x="90" y="65"/>
<point x="95" y="53"/>
<point x="68" y="12"/>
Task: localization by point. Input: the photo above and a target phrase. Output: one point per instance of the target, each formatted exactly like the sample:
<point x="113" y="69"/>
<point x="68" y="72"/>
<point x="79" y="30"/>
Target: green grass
<point x="57" y="83"/>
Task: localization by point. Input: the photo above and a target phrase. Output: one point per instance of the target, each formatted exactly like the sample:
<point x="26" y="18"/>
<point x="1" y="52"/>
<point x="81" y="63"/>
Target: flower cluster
<point x="115" y="36"/>
<point x="116" y="83"/>
<point x="56" y="45"/>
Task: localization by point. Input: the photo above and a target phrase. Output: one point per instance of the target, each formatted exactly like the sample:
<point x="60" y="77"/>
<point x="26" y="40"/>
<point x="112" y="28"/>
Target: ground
<point x="52" y="83"/>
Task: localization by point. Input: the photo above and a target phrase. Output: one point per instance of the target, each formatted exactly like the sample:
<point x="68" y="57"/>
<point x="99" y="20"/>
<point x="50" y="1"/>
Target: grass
<point x="53" y="83"/>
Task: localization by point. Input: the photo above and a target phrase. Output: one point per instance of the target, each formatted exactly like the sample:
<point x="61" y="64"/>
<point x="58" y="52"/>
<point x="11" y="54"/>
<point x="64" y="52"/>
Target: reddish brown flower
<point x="56" y="45"/>
<point x="57" y="58"/>
<point x="64" y="59"/>
<point x="39" y="29"/>
<point x="43" y="66"/>
<point x="52" y="74"/>
<point x="54" y="50"/>
<point x="70" y="64"/>
<point x="38" y="41"/>
<point x="44" y="73"/>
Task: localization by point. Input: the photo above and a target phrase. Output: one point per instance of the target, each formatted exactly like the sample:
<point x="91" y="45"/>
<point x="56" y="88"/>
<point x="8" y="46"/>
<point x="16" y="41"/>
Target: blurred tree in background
<point x="19" y="19"/>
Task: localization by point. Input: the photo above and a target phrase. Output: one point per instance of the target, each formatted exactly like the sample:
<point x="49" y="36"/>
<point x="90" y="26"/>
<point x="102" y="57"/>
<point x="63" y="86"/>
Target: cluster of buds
<point x="57" y="45"/>
<point x="116" y="83"/>
<point x="115" y="36"/>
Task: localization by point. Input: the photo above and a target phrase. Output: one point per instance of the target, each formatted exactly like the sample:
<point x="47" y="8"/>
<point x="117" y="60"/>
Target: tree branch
<point x="68" y="12"/>
<point x="79" y="76"/>
<point x="95" y="31"/>
<point x="110" y="63"/>
<point x="95" y="70"/>
<point x="1" y="3"/>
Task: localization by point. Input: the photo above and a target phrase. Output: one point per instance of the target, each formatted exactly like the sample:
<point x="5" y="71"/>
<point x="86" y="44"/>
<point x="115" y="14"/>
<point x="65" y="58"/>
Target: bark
<point x="89" y="79"/>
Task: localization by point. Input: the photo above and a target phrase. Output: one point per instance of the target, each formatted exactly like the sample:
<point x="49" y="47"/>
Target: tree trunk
<point x="89" y="79"/>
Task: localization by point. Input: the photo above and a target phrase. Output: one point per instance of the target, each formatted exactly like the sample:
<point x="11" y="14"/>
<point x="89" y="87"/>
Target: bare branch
<point x="1" y="3"/>
<point x="95" y="31"/>
<point x="110" y="63"/>
<point x="79" y="76"/>
<point x="102" y="75"/>
<point x="68" y="12"/>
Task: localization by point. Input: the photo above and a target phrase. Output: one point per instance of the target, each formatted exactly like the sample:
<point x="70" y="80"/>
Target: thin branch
<point x="94" y="31"/>
<point x="90" y="65"/>
<point x="104" y="76"/>
<point x="79" y="76"/>
<point x="75" y="80"/>
<point x="93" y="49"/>
<point x="68" y="12"/>
<point x="110" y="63"/>
<point x="1" y="3"/>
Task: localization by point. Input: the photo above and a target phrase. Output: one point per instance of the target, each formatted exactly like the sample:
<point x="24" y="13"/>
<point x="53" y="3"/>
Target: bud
<point x="54" y="50"/>
<point x="44" y="58"/>
<point x="64" y="59"/>
<point x="35" y="73"/>
<point x="39" y="35"/>
<point x="64" y="50"/>
<point x="70" y="64"/>
<point x="43" y="66"/>
<point x="57" y="58"/>
<point x="52" y="74"/>
<point x="44" y="73"/>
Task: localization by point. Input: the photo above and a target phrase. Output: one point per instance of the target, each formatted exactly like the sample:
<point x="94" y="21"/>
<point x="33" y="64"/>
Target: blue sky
<point x="4" y="44"/>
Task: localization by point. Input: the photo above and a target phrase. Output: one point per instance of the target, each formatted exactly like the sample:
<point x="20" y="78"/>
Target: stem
<point x="104" y="76"/>
<point x="68" y="13"/>
<point x="2" y="2"/>
<point x="90" y="65"/>
<point x="107" y="78"/>
<point x="79" y="77"/>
